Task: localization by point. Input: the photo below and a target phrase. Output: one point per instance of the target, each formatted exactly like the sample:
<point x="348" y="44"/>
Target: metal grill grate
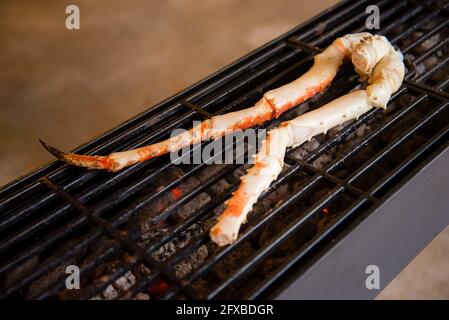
<point x="62" y="215"/>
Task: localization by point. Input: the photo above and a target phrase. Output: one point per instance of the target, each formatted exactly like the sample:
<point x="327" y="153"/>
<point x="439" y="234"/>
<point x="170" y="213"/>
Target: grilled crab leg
<point x="384" y="80"/>
<point x="364" y="49"/>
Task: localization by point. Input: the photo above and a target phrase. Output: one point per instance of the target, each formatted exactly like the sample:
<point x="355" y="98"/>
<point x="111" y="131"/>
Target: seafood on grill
<point x="364" y="49"/>
<point x="376" y="59"/>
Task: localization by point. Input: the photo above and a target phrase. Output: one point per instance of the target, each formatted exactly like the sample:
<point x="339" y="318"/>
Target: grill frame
<point x="399" y="218"/>
<point x="193" y="100"/>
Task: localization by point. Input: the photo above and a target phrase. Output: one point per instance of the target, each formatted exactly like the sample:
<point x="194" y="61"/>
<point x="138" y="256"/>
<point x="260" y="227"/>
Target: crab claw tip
<point x="56" y="152"/>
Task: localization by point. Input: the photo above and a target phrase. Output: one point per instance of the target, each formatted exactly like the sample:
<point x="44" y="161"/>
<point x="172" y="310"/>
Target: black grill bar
<point x="310" y="246"/>
<point x="432" y="51"/>
<point x="345" y="184"/>
<point x="347" y="8"/>
<point x="103" y="257"/>
<point x="303" y="46"/>
<point x="369" y="196"/>
<point x="107" y="227"/>
<point x="275" y="242"/>
<point x="120" y="139"/>
<point x="94" y="290"/>
<point x="87" y="205"/>
<point x="56" y="235"/>
<point x="405" y="16"/>
<point x="346" y="215"/>
<point x="427" y="36"/>
<point x="443" y="133"/>
<point x="197" y="109"/>
<point x="437" y="94"/>
<point x="428" y="73"/>
<point x="395" y="143"/>
<point x="358" y="20"/>
<point x="49" y="265"/>
<point x="120" y="219"/>
<point x="325" y="173"/>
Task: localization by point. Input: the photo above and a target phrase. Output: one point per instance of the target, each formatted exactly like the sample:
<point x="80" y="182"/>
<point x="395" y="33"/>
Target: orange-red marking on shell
<point x="235" y="205"/>
<point x="143" y="154"/>
<point x="267" y="146"/>
<point x="204" y="126"/>
<point x="107" y="163"/>
<point x="215" y="231"/>
<point x="342" y="47"/>
<point x="309" y="93"/>
<point x="248" y="122"/>
<point x="149" y="152"/>
<point x="259" y="165"/>
<point x="159" y="149"/>
<point x="97" y="162"/>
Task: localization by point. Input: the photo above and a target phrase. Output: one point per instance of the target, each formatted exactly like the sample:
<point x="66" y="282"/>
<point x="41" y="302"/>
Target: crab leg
<point x="368" y="50"/>
<point x="385" y="79"/>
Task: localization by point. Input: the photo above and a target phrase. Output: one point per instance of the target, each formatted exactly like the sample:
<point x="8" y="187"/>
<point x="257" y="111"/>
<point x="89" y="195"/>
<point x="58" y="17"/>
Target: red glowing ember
<point x="325" y="211"/>
<point x="158" y="288"/>
<point x="176" y="193"/>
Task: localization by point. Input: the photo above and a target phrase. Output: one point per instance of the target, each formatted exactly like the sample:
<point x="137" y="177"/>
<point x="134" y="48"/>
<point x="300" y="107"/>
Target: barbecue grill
<point x="370" y="192"/>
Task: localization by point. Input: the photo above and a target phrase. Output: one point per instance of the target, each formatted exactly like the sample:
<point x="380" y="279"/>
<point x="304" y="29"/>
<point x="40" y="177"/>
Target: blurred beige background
<point x="68" y="86"/>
